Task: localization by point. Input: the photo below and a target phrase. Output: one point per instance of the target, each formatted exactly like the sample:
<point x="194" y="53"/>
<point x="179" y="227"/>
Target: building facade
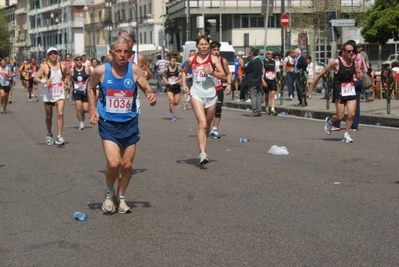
<point x="242" y="24"/>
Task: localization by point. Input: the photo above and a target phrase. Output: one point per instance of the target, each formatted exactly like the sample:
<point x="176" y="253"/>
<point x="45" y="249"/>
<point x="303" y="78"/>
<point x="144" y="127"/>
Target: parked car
<point x="391" y="58"/>
<point x="319" y="66"/>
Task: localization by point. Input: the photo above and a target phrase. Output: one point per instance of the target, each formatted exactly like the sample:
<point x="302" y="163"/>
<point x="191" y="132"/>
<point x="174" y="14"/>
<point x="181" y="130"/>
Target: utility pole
<point x="282" y="29"/>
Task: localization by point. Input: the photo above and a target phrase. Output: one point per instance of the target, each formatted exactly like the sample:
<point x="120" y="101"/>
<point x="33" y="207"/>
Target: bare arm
<point x="165" y="76"/>
<point x="332" y="66"/>
<point x="228" y="77"/>
<point x="95" y="79"/>
<point x="41" y="73"/>
<point x="143" y="84"/>
<point x="218" y="65"/>
<point x="143" y="65"/>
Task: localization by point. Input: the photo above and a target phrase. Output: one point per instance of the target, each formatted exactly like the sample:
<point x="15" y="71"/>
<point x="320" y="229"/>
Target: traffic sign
<point x="343" y="22"/>
<point x="285" y="20"/>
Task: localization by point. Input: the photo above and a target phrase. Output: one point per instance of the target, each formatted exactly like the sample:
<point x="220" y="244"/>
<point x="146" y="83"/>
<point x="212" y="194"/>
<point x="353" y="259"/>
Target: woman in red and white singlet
<point x="203" y="91"/>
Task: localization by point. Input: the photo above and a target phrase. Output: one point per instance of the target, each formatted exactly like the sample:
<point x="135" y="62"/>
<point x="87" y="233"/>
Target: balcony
<point x="94" y="26"/>
<point x="21" y="10"/>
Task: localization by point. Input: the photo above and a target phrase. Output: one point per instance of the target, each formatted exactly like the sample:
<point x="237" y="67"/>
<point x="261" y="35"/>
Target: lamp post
<point x="108" y="5"/>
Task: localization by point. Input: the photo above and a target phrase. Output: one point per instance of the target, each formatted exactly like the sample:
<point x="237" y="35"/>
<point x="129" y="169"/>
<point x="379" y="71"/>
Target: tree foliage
<point x="5" y="38"/>
<point x="381" y="22"/>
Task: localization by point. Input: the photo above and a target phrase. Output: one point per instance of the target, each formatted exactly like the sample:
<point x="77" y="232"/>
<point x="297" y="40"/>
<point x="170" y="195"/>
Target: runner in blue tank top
<point x="117" y="117"/>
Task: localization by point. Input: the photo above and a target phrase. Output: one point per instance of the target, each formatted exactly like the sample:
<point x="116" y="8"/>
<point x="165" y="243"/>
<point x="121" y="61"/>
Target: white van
<point x="187" y="47"/>
<point x="227" y="51"/>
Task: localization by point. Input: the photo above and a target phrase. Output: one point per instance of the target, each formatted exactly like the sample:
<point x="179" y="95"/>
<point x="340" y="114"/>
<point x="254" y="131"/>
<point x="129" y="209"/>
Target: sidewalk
<point x="370" y="113"/>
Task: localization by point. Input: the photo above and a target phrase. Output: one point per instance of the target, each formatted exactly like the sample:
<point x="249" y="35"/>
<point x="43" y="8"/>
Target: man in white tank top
<point x="53" y="73"/>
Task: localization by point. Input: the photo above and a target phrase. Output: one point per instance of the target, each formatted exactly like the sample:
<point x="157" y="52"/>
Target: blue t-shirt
<point x="117" y="101"/>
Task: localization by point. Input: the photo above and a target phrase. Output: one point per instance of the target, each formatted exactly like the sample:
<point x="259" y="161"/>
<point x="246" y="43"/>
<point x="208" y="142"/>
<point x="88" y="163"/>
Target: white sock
<point x="214" y="129"/>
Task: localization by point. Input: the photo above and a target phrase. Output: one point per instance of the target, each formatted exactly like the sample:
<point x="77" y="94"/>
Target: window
<point x="131" y="13"/>
<point x="256" y="22"/>
<point x="245" y="22"/>
<point x="150" y="8"/>
<point x="140" y="12"/>
<point x="145" y="10"/>
<point x="150" y="37"/>
<point x="145" y="37"/>
<point x="141" y="38"/>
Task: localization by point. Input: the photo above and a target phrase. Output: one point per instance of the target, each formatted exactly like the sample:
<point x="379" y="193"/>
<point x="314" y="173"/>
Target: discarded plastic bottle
<point x="243" y="140"/>
<point x="283" y="113"/>
<point x="80" y="216"/>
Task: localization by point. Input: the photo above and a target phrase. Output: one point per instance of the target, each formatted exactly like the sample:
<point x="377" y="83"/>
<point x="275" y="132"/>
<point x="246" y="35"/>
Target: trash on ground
<point x="243" y="140"/>
<point x="337" y="182"/>
<point x="278" y="150"/>
<point x="80" y="216"/>
<point x="283" y="113"/>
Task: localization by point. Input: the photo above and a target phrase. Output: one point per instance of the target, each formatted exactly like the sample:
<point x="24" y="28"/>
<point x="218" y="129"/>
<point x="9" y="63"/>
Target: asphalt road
<point x="327" y="203"/>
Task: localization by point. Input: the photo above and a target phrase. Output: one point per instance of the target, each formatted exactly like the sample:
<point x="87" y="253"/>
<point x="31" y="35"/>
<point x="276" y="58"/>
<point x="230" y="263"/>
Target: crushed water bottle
<point x="80" y="216"/>
<point x="277" y="150"/>
<point x="283" y="113"/>
<point x="243" y="140"/>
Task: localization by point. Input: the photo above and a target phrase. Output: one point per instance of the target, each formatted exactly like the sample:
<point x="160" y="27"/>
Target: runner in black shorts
<point x="80" y="75"/>
<point x="270" y="69"/>
<point x="171" y="78"/>
<point x="344" y="93"/>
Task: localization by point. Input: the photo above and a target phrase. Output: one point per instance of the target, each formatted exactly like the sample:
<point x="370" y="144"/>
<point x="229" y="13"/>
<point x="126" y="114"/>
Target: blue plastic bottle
<point x="80" y="216"/>
<point x="243" y="140"/>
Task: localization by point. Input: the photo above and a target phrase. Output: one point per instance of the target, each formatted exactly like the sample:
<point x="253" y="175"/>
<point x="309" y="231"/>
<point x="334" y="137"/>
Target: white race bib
<point x="79" y="86"/>
<point x="118" y="101"/>
<point x="348" y="89"/>
<point x="173" y="80"/>
<point x="33" y="74"/>
<point x="270" y="75"/>
<point x="56" y="90"/>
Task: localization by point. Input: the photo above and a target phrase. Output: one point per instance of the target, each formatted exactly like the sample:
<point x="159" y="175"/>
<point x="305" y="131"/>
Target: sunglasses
<point x="269" y="54"/>
<point x="78" y="59"/>
<point x="349" y="51"/>
<point x="53" y="53"/>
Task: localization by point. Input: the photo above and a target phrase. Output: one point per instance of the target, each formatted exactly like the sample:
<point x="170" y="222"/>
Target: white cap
<point x="52" y="49"/>
<point x="83" y="53"/>
<point x="240" y="53"/>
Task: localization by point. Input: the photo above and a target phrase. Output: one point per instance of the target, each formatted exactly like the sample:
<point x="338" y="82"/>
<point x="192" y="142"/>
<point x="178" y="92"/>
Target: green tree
<point x="5" y="38"/>
<point x="381" y="22"/>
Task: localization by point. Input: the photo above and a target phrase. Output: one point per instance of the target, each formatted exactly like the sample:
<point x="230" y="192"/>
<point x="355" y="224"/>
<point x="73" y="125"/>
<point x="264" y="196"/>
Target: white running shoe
<point x="60" y="140"/>
<point x="108" y="204"/>
<point x="248" y="100"/>
<point x="203" y="158"/>
<point x="291" y="97"/>
<point x="49" y="140"/>
<point x="81" y="125"/>
<point x="121" y="205"/>
<point x="328" y="126"/>
<point x="2" y="110"/>
<point x="347" y="139"/>
<point x="215" y="134"/>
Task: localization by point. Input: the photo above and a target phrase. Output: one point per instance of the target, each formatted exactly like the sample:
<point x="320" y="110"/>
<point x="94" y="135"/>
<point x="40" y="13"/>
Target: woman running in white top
<point x="203" y="91"/>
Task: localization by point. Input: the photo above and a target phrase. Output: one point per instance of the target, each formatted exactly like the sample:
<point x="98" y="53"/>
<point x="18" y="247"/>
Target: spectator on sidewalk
<point x="160" y="66"/>
<point x="253" y="74"/>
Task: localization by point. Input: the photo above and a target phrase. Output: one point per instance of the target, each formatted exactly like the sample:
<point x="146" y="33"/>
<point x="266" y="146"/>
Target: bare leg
<point x="60" y="115"/>
<point x="49" y="117"/>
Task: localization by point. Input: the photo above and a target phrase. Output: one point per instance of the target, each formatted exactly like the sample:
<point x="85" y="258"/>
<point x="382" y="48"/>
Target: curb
<point x="378" y="120"/>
